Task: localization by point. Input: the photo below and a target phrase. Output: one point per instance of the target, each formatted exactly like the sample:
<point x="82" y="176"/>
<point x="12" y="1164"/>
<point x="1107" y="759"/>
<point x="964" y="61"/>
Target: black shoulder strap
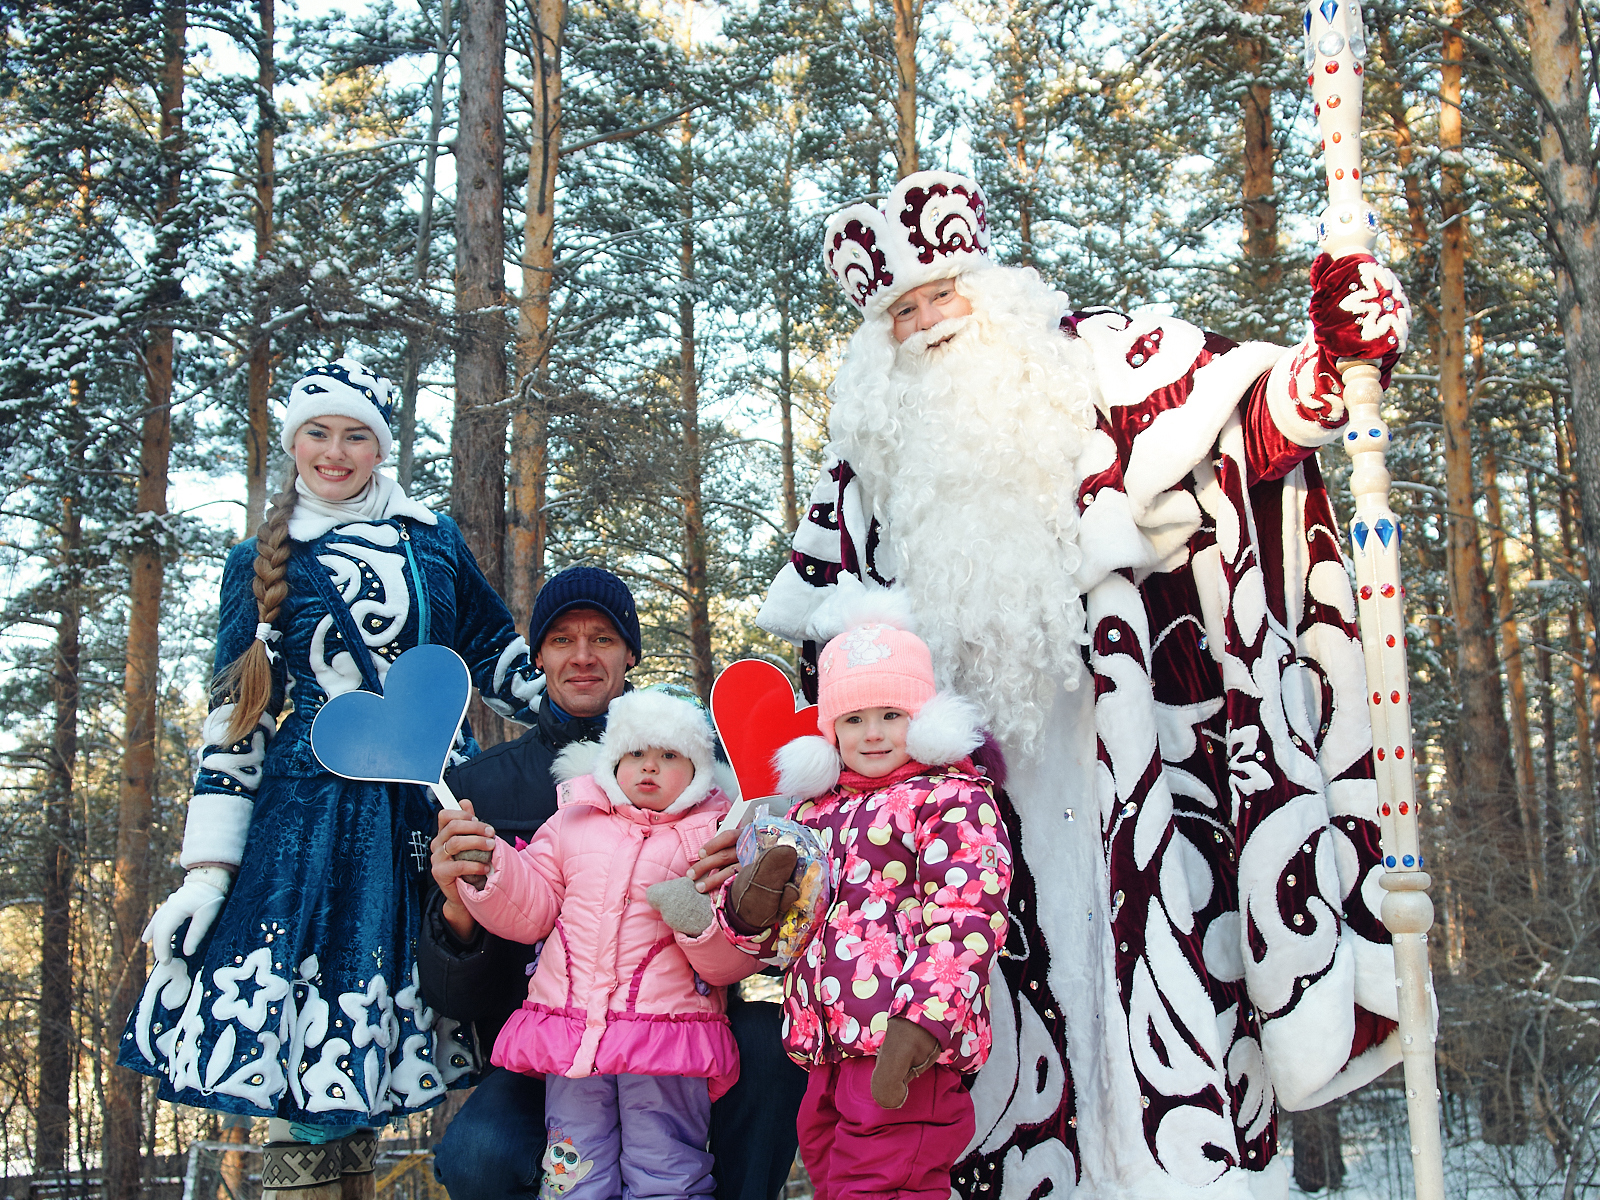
<point x="340" y="611"/>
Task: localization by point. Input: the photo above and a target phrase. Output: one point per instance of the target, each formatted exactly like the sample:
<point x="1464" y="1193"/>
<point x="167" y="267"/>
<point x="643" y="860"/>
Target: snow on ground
<point x="1377" y="1156"/>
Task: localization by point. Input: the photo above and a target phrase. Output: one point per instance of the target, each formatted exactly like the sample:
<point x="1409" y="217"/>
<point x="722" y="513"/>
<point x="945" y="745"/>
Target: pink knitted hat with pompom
<point x="872" y="666"/>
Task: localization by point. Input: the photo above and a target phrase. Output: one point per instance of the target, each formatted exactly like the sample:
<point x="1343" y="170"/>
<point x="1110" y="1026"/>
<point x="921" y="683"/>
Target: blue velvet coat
<point x="303" y="1000"/>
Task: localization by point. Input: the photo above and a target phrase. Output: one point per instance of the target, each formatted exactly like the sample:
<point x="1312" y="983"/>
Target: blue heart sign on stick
<point x="404" y="735"/>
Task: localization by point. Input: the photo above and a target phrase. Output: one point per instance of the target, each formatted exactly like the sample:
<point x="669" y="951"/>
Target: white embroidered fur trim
<point x="945" y="729"/>
<point x="216" y="829"/>
<point x="807" y="767"/>
<point x="1358" y="1072"/>
<point x="1298" y="368"/>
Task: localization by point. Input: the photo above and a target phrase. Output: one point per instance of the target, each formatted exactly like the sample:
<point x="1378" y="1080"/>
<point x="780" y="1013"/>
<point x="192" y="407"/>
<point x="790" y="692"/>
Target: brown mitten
<point x="483" y="856"/>
<point x="762" y="890"/>
<point x="907" y="1051"/>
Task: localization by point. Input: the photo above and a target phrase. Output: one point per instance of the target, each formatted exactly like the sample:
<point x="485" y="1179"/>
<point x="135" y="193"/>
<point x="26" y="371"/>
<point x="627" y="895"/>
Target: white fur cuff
<point x="1304" y="406"/>
<point x="945" y="730"/>
<point x="786" y="613"/>
<point x="216" y="830"/>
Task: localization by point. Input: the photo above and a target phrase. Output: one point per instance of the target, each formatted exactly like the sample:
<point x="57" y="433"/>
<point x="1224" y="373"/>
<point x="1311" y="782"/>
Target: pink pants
<point x="855" y="1150"/>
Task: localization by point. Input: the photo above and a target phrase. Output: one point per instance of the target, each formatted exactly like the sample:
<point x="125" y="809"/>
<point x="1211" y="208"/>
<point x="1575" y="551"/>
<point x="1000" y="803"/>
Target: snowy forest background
<point x="600" y="289"/>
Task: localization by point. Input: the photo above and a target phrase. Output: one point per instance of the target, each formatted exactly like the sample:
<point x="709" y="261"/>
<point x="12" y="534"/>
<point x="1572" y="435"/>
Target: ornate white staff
<point x="1335" y="48"/>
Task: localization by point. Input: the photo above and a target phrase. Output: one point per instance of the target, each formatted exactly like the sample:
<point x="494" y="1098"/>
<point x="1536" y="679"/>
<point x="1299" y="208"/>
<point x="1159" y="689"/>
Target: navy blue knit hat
<point x="585" y="587"/>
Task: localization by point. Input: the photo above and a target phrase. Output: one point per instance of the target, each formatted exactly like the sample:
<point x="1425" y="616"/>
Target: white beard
<point x="967" y="453"/>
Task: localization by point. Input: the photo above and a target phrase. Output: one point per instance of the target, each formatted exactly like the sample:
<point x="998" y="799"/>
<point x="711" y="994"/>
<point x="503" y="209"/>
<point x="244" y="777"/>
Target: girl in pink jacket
<point x="624" y="1018"/>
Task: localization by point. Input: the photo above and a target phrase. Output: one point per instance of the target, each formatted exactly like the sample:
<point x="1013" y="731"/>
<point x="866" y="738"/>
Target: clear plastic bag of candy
<point x="813" y="878"/>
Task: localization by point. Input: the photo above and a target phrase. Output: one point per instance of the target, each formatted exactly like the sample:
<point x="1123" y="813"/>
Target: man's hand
<point x="719" y="859"/>
<point x="907" y="1051"/>
<point x="459" y="831"/>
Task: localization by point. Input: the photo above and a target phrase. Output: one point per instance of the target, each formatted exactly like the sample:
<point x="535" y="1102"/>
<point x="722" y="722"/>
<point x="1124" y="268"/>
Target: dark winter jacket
<point x="485" y="980"/>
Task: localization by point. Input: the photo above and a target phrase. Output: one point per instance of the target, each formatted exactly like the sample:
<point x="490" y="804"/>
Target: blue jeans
<point x="493" y="1145"/>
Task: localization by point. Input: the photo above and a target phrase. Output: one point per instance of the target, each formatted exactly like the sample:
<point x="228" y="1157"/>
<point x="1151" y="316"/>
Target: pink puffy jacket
<point x="614" y="990"/>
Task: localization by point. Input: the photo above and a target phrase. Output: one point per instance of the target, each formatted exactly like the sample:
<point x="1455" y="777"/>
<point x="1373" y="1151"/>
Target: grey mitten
<point x="681" y="906"/>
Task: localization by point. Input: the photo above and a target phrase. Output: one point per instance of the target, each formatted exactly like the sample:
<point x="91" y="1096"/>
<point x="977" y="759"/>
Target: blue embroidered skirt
<point x="303" y="1000"/>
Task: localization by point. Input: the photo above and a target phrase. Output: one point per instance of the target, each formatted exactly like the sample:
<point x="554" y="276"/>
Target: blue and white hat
<point x="343" y="388"/>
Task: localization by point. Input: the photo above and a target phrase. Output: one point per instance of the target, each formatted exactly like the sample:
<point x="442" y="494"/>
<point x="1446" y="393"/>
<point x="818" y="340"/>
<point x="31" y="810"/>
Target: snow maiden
<point x="285" y="983"/>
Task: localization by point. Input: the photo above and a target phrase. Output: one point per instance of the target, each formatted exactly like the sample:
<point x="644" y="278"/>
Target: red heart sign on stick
<point x="753" y="705"/>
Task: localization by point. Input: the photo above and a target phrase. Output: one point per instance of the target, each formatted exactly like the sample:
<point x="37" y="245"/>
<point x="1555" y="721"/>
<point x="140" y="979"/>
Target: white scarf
<point x="380" y="500"/>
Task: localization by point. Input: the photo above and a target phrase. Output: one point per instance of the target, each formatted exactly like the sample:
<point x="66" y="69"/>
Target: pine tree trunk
<point x="405" y="434"/>
<point x="258" y="426"/>
<point x="130" y="903"/>
<point x="1501" y="828"/>
<point x="785" y="304"/>
<point x="56" y="1036"/>
<point x="1583" y="831"/>
<point x="1510" y="637"/>
<point x="530" y="425"/>
<point x="1483" y="724"/>
<point x="791" y="497"/>
<point x="1583" y="807"/>
<point x="1019" y="163"/>
<point x="1569" y="181"/>
<point x="478" y="437"/>
<point x="696" y="570"/>
<point x="1389" y="94"/>
<point x="907" y="28"/>
<point x="1552" y="841"/>
<point x="478" y="453"/>
<point x="1318" y="1160"/>
<point x="236" y="1132"/>
<point x="1262" y="268"/>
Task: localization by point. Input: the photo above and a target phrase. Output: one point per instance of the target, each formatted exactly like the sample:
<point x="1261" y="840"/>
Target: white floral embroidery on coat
<point x="372" y="583"/>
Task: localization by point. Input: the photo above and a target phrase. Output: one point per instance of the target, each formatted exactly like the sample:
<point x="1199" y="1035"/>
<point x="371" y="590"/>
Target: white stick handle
<point x="445" y="797"/>
<point x="735" y="815"/>
<point x="1335" y="48"/>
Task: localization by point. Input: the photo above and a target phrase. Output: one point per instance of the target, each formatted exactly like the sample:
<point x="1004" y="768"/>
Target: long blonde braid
<point x="247" y="680"/>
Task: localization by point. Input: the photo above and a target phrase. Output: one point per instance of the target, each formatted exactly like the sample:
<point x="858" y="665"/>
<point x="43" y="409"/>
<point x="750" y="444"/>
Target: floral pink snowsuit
<point x="923" y="865"/>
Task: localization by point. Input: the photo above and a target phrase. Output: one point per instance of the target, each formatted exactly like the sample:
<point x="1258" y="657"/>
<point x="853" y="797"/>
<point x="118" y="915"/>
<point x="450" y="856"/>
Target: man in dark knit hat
<point x="585" y="630"/>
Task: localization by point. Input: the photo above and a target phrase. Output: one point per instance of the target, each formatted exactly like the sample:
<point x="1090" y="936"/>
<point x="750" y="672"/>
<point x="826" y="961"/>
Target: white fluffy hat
<point x="343" y="388"/>
<point x="636" y="721"/>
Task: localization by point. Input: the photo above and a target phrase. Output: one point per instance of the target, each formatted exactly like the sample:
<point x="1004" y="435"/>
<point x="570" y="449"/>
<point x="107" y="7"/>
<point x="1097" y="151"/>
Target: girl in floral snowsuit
<point x="888" y="1005"/>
